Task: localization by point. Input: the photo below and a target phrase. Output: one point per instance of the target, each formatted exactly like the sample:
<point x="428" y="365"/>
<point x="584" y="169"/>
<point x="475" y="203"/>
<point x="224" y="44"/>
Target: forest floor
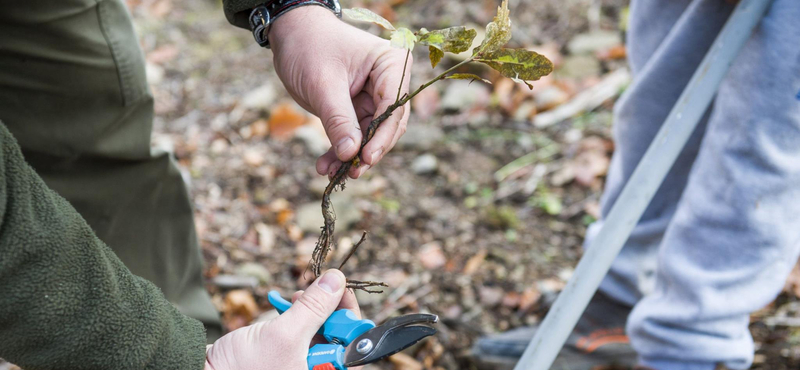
<point x="479" y="214"/>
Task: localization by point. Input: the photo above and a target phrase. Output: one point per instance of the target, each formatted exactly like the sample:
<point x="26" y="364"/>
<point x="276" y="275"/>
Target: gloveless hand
<point x="346" y="77"/>
<point x="283" y="343"/>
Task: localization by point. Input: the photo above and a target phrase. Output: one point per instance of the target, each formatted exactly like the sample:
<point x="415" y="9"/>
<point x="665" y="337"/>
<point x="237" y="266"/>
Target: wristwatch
<point x="262" y="16"/>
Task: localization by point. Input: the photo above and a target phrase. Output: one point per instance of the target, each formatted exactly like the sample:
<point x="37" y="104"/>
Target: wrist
<point x="300" y="20"/>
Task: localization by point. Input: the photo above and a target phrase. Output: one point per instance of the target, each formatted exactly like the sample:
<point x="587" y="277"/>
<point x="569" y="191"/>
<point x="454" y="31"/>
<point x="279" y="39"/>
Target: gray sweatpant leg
<point x="723" y="230"/>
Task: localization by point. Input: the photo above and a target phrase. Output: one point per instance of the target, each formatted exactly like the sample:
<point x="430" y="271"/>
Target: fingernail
<point x="331" y="282"/>
<point x="334" y="168"/>
<point x="344" y="145"/>
<point x="375" y="156"/>
<point x="363" y="169"/>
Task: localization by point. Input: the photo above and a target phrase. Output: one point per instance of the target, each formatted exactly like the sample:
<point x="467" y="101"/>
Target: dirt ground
<point x="478" y="216"/>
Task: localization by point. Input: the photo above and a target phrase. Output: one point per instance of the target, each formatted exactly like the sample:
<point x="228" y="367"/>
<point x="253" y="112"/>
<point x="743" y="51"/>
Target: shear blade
<point x="389" y="343"/>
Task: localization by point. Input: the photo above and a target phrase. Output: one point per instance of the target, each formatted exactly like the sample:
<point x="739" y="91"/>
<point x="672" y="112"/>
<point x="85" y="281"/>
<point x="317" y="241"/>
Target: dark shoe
<point x="598" y="341"/>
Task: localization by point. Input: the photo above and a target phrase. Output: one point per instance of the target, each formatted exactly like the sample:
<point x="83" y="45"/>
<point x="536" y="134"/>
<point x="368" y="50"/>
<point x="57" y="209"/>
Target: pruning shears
<point x="356" y="342"/>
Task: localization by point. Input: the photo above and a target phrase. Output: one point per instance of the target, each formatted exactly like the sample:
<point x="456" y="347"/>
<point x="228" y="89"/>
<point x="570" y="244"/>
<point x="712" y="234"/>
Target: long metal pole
<point x="639" y="190"/>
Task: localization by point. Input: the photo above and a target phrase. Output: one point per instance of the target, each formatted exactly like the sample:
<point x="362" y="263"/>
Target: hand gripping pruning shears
<point x="354" y="342"/>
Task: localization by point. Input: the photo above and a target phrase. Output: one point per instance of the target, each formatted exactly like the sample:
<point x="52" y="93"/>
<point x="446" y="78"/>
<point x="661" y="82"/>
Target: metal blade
<point x="391" y="342"/>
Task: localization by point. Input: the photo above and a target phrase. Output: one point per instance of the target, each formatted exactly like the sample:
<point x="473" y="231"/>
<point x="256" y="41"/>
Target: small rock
<point x="309" y="215"/>
<point x="579" y="67"/>
<point x="253" y="157"/>
<point x="219" y="145"/>
<point x="491" y="296"/>
<point x="565" y="274"/>
<point x="573" y="135"/>
<point x="421" y="137"/>
<point x="525" y="111"/>
<point x="154" y="73"/>
<point x="313" y="136"/>
<point x="266" y="237"/>
<point x="256" y="270"/>
<point x="235" y="281"/>
<point x="453" y="312"/>
<point x="424" y="164"/>
<point x="431" y="256"/>
<point x="587" y="43"/>
<point x="260" y="98"/>
<point x="550" y="97"/>
<point x="426" y="103"/>
<point x="463" y="95"/>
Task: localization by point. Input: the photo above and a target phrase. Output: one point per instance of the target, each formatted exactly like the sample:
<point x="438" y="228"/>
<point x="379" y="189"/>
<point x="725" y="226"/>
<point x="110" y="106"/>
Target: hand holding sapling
<point x="518" y="64"/>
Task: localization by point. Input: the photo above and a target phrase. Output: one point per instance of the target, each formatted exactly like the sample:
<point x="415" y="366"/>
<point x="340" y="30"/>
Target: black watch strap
<point x="262" y="16"/>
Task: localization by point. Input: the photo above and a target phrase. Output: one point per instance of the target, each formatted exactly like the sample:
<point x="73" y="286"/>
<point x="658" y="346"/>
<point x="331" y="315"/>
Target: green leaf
<point x="403" y="38"/>
<point x="498" y="32"/>
<point x="366" y="15"/>
<point x="467" y="76"/>
<point x="518" y="64"/>
<point x="452" y="40"/>
<point x="436" y="56"/>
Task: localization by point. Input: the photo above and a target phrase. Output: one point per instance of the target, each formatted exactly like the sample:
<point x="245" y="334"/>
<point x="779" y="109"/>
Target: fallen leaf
<point x="402" y="361"/>
<point x="528" y="299"/>
<point x="284" y="120"/>
<point x="613" y="53"/>
<point x="240" y="308"/>
<point x="474" y="263"/>
<point x="512" y="300"/>
<point x="162" y="54"/>
<point x="431" y="256"/>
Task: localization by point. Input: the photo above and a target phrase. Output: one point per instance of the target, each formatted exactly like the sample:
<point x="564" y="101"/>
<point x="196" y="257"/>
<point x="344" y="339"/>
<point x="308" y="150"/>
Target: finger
<point x="315" y="305"/>
<point x="404" y="125"/>
<point x="365" y="109"/>
<point x="384" y="93"/>
<point x="356" y="172"/>
<point x="335" y="109"/>
<point x="350" y="302"/>
<point x="325" y="161"/>
<point x="296" y="295"/>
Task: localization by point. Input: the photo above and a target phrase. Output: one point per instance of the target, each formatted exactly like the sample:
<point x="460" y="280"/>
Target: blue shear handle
<point x="343" y="325"/>
<point x="326" y="357"/>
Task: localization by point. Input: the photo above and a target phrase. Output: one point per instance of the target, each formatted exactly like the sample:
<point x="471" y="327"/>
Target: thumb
<point x="335" y="109"/>
<point x="316" y="304"/>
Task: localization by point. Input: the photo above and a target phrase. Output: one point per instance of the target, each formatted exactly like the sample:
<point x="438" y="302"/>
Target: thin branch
<point x="353" y="249"/>
<point x="403" y="77"/>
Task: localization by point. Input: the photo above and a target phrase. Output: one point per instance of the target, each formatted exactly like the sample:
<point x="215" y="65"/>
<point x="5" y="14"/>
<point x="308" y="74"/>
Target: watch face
<point x="259" y="17"/>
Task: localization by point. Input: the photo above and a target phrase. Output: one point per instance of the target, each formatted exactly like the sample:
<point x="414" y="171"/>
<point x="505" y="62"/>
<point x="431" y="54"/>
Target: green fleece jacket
<point x="66" y="301"/>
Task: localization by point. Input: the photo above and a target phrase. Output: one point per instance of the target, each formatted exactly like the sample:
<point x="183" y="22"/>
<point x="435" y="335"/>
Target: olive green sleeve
<point x="66" y="301"/>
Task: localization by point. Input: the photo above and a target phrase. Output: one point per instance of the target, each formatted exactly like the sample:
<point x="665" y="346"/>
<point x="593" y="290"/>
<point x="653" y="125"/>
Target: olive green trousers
<point x="74" y="94"/>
